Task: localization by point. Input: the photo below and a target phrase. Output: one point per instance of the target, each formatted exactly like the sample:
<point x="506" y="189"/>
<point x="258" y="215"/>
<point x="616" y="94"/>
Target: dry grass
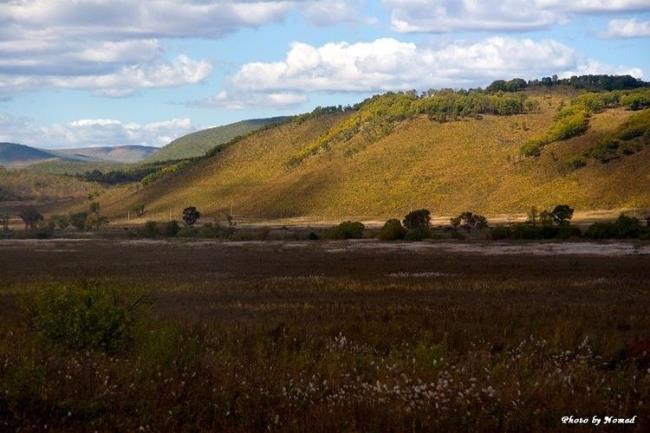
<point x="471" y="164"/>
<point x="290" y="338"/>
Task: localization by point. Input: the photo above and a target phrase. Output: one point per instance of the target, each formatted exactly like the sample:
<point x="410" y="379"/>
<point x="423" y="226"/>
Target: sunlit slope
<point x="471" y="164"/>
<point x="197" y="143"/>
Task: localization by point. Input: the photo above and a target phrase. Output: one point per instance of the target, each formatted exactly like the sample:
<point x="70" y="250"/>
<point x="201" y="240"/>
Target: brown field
<point x="334" y="337"/>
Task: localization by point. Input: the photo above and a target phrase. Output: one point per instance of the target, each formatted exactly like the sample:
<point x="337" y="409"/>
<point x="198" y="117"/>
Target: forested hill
<point x="492" y="152"/>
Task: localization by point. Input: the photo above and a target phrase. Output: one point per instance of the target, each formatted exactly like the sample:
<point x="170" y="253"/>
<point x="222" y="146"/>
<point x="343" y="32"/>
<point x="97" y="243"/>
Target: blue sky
<point x="77" y="73"/>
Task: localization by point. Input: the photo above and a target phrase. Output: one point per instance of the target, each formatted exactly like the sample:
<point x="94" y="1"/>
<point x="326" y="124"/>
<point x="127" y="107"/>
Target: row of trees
<point x="588" y="82"/>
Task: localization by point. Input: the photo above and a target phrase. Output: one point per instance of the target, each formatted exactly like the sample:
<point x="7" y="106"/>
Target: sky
<point x="78" y="73"/>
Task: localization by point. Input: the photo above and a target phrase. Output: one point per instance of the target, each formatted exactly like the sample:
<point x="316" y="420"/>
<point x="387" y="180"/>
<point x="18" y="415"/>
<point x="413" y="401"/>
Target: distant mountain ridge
<point x="125" y="154"/>
<point x="14" y="155"/>
<point x="19" y="155"/>
<point x="198" y="143"/>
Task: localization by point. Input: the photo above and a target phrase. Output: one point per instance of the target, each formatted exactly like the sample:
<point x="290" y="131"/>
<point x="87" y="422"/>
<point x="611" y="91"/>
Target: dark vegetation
<point x="252" y="338"/>
<point x="629" y="138"/>
<point x="573" y="120"/>
<point x="582" y="82"/>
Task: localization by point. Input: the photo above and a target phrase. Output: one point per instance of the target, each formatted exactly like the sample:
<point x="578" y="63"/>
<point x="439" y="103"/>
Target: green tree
<point x="392" y="230"/>
<point x="562" y="214"/>
<point x="30" y="217"/>
<point x="418" y="219"/>
<point x="4" y="221"/>
<point x="191" y="215"/>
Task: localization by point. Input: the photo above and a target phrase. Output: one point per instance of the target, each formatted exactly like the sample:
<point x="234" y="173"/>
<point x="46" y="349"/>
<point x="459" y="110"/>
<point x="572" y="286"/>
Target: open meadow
<point x="327" y="336"/>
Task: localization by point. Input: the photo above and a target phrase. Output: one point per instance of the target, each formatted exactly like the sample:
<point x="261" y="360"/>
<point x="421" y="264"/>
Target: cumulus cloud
<point x="437" y="16"/>
<point x="92" y="132"/>
<point x="122" y="82"/>
<point x="113" y="47"/>
<point x="628" y="28"/>
<point x="328" y="12"/>
<point x="389" y="64"/>
<point x="234" y="100"/>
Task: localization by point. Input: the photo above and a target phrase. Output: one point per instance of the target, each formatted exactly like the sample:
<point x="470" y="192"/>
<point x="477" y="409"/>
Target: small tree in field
<point x="4" y="221"/>
<point x="470" y="221"/>
<point x="191" y="215"/>
<point x="30" y="217"/>
<point x="533" y="216"/>
<point x="562" y="214"/>
<point x="417" y="220"/>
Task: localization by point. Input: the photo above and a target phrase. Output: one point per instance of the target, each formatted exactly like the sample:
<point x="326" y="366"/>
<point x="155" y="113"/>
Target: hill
<point x="448" y="152"/>
<point x="198" y="143"/>
<point x="120" y="154"/>
<point x="22" y="185"/>
<point x="19" y="155"/>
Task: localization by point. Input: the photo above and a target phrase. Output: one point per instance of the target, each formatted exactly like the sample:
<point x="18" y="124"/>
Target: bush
<point x="348" y="230"/>
<point x="86" y="317"/>
<point x="312" y="236"/>
<point x="576" y="163"/>
<point x="418" y="219"/>
<point x="171" y="228"/>
<point x="392" y="230"/>
<point x="79" y="220"/>
<point x="532" y="148"/>
<point x="416" y="234"/>
<point x="501" y="232"/>
<point x="188" y="232"/>
<point x="150" y="229"/>
<point x="623" y="227"/>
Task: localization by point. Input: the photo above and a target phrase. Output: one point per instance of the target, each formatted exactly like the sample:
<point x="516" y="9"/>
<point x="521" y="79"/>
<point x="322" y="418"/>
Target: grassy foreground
<point x="296" y="337"/>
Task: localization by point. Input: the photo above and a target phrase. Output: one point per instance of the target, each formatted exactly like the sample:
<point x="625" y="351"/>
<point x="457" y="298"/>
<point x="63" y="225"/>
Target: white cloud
<point x="328" y="12"/>
<point x="92" y="132"/>
<point x="113" y="47"/>
<point x="131" y="19"/>
<point x="121" y="82"/>
<point x="628" y="28"/>
<point x="438" y="16"/>
<point x="241" y="100"/>
<point x="388" y="64"/>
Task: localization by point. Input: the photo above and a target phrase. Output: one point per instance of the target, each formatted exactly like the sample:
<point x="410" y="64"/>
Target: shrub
<point x="150" y="229"/>
<point x="30" y="217"/>
<point x="313" y="236"/>
<point x="532" y="148"/>
<point x="85" y="317"/>
<point x="417" y="219"/>
<point x="348" y="230"/>
<point x="501" y="232"/>
<point x="78" y="220"/>
<point x="416" y="234"/>
<point x="470" y="221"/>
<point x="576" y="163"/>
<point x="60" y="222"/>
<point x="188" y="232"/>
<point x="623" y="227"/>
<point x="392" y="230"/>
<point x="171" y="228"/>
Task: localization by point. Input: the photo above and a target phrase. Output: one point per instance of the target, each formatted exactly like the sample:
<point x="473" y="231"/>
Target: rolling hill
<point x="120" y="154"/>
<point x="198" y="143"/>
<point x="19" y="155"/>
<point x="14" y="155"/>
<point x="395" y="154"/>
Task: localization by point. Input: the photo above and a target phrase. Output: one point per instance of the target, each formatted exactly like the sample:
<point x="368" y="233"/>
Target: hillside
<point x="198" y="143"/>
<point x="374" y="164"/>
<point x="22" y="185"/>
<point x="19" y="155"/>
<point x="119" y="154"/>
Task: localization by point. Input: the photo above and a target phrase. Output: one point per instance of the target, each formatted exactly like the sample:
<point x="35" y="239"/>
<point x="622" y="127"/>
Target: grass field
<point x="332" y="337"/>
